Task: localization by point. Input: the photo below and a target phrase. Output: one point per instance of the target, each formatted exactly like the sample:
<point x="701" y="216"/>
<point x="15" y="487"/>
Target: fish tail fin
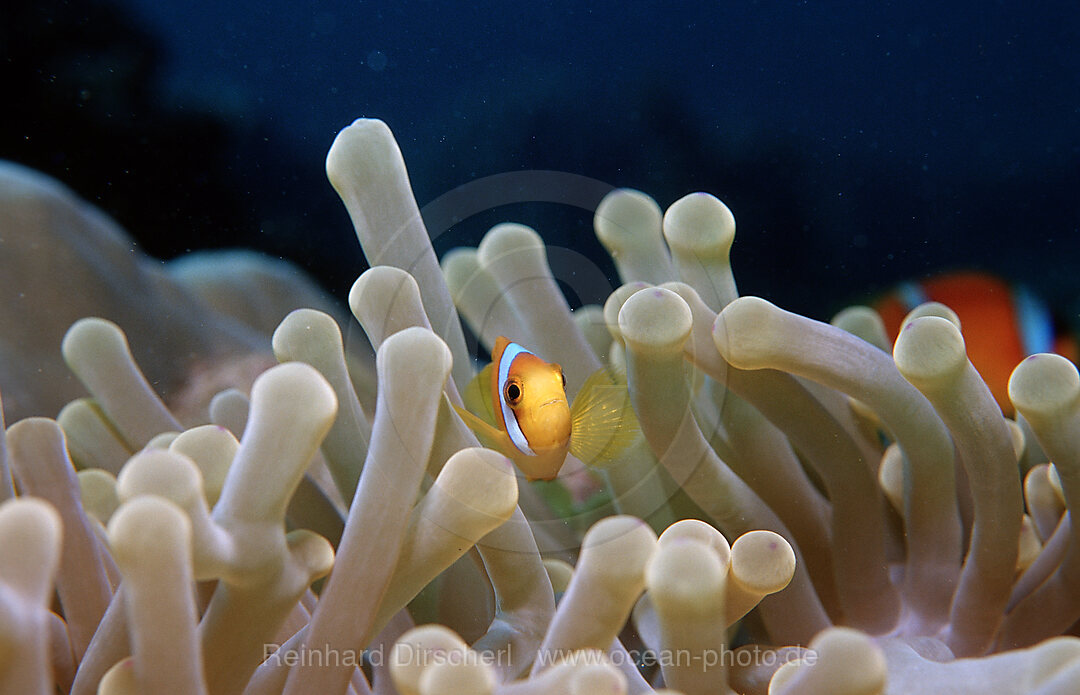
<point x="603" y="423"/>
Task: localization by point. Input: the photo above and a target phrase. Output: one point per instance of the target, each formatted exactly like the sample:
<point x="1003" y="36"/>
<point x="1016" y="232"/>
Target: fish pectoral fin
<point x="534" y="467"/>
<point x="489" y="435"/>
<point x="603" y="423"/>
<point x="477" y="396"/>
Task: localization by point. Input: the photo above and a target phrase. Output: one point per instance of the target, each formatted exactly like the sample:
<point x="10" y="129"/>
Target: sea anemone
<point x="803" y="512"/>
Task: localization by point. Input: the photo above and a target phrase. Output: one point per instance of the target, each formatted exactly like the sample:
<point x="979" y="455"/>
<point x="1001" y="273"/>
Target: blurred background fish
<point x="1002" y="323"/>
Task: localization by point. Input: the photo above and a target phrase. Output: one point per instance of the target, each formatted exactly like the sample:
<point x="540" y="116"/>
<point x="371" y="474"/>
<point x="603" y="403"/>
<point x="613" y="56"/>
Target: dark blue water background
<point x="858" y="144"/>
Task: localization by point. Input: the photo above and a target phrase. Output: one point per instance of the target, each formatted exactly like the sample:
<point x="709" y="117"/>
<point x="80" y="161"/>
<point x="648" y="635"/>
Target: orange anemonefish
<point x="518" y="406"/>
<point x="1002" y="324"/>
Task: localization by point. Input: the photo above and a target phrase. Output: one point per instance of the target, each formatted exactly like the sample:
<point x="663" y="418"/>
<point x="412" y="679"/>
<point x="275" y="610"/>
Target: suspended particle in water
<point x="377" y="60"/>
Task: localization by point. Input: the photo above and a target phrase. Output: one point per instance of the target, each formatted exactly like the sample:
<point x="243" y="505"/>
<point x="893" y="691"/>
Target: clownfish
<point x="1001" y="323"/>
<point x="518" y="406"/>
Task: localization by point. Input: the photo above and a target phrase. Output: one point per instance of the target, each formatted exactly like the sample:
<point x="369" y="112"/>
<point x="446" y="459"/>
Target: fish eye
<point x="563" y="377"/>
<point x="512" y="393"/>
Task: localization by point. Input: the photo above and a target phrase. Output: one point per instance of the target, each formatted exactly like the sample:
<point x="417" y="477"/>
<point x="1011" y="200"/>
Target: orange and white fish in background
<point x="1001" y="323"/>
<point x="518" y="406"/>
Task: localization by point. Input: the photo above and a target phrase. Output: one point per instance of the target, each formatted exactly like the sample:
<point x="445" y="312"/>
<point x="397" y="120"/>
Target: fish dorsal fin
<point x="477" y="396"/>
<point x="602" y="420"/>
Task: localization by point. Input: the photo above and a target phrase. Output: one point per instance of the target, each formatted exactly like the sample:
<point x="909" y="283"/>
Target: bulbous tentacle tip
<point x="30" y="536"/>
<point x="929" y="350"/>
<point x="685" y="578"/>
<point x="417" y="648"/>
<point x="655" y="319"/>
<point x="700" y="223"/>
<point x="845" y="662"/>
<point x="312" y="553"/>
<point x="737" y="329"/>
<point x="295" y="382"/>
<point x="414" y="349"/>
<point x="92" y="333"/>
<point x="160" y="472"/>
<point x="623" y="215"/>
<point x="614" y="304"/>
<point x="619" y="545"/>
<point x="696" y="529"/>
<point x="147" y="526"/>
<point x="506" y="239"/>
<point x="360" y="133"/>
<point x="762" y="562"/>
<point x="1044" y="384"/>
